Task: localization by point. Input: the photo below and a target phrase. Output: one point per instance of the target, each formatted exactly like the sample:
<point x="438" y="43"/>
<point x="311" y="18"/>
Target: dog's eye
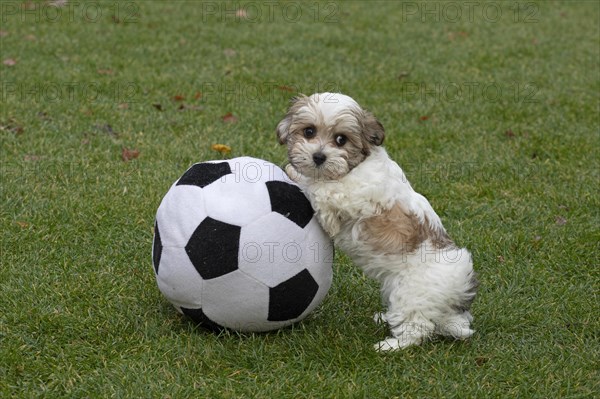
<point x="340" y="140"/>
<point x="309" y="132"/>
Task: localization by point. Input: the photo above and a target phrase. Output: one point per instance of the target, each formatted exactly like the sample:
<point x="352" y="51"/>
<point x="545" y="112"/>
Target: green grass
<point x="511" y="164"/>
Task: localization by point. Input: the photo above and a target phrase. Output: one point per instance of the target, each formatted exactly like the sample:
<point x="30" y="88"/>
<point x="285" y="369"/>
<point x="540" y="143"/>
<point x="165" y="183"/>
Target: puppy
<point x="364" y="201"/>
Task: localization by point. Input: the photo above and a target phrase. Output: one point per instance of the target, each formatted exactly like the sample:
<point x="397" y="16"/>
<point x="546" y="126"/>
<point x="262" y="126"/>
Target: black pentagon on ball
<point x="213" y="248"/>
<point x="156" y="248"/>
<point x="203" y="174"/>
<point x="288" y="200"/>
<point x="202" y="319"/>
<point x="289" y="299"/>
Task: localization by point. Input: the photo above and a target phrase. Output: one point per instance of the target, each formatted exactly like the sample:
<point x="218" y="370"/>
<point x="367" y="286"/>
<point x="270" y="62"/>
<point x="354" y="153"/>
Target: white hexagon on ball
<point x="237" y="246"/>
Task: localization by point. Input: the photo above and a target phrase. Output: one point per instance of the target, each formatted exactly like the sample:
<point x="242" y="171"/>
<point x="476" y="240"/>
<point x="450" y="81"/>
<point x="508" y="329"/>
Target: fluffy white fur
<point x="427" y="288"/>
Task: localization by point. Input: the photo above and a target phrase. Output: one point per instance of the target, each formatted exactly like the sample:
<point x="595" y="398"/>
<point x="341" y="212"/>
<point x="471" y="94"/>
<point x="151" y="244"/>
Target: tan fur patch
<point x="398" y="232"/>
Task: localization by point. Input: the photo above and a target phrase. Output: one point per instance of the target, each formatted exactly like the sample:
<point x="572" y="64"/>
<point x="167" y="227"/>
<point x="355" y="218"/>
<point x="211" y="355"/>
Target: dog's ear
<point x="372" y="129"/>
<point x="283" y="127"/>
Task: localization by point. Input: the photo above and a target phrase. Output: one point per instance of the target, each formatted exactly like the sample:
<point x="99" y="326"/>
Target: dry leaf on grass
<point x="11" y="126"/>
<point x="186" y="107"/>
<point x="222" y="148"/>
<point x="21" y="224"/>
<point x="10" y="62"/>
<point x="128" y="154"/>
<point x="229" y="118"/>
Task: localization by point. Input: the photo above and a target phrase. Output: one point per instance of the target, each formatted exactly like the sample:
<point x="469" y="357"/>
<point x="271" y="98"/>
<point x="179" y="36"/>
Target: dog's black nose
<point x="319" y="158"/>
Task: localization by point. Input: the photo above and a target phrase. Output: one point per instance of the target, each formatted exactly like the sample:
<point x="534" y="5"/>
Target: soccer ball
<point x="237" y="245"/>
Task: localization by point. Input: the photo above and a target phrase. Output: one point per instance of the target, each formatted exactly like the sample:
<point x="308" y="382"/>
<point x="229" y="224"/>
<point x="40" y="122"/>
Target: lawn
<point x="492" y="109"/>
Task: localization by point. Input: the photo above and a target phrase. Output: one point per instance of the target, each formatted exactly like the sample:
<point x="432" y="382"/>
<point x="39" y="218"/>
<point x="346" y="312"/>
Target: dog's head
<point x="328" y="134"/>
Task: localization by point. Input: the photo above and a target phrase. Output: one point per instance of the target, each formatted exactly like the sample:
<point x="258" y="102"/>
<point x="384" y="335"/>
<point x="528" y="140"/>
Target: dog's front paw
<point x="457" y="326"/>
<point x="392" y="343"/>
<point x="379" y="318"/>
<point x="292" y="173"/>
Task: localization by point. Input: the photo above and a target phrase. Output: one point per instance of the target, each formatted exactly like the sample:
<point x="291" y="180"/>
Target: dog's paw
<point x="379" y="318"/>
<point x="292" y="172"/>
<point x="457" y="332"/>
<point x="392" y="343"/>
<point x="457" y="326"/>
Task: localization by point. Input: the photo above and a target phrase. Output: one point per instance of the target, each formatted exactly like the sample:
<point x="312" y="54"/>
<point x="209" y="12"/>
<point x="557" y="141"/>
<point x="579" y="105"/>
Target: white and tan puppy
<point x="364" y="201"/>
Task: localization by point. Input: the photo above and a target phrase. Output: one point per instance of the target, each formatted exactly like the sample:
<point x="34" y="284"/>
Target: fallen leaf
<point x="157" y="106"/>
<point x="560" y="221"/>
<point x="12" y="126"/>
<point x="21" y="224"/>
<point x="424" y="118"/>
<point x="184" y="107"/>
<point x="178" y="97"/>
<point x="286" y="88"/>
<point x="481" y="360"/>
<point x="123" y="106"/>
<point x="10" y="62"/>
<point x="509" y="133"/>
<point x="31" y="157"/>
<point x="105" y="72"/>
<point x="501" y="259"/>
<point x="3" y="33"/>
<point x="229" y="118"/>
<point x="222" y="148"/>
<point x="229" y="52"/>
<point x="127" y="154"/>
<point x="30" y="38"/>
<point x="44" y="116"/>
<point x="197" y="96"/>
